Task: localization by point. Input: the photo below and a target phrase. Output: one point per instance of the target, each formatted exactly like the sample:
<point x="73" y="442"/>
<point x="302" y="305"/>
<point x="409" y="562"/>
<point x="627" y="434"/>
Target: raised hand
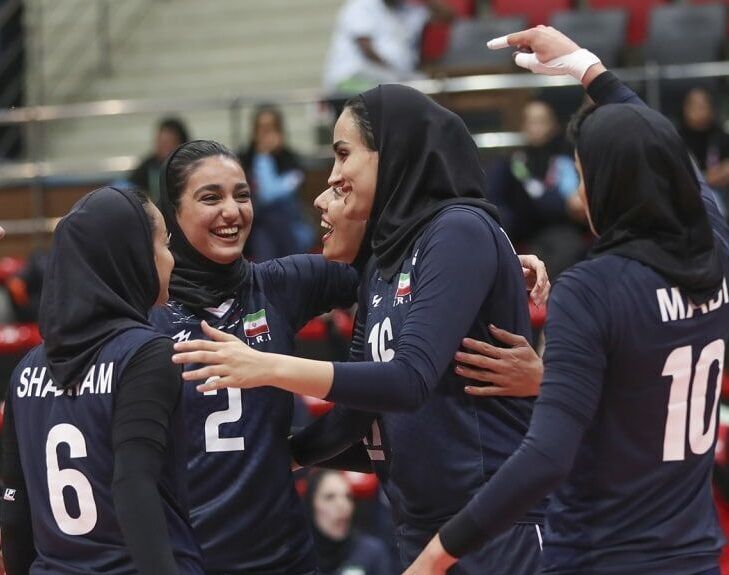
<point x="544" y="50"/>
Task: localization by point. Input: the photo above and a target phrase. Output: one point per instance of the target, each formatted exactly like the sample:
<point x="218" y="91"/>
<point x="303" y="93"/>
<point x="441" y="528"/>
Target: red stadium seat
<point x="437" y="35"/>
<point x="364" y="485"/>
<point x="537" y="11"/>
<point x="537" y="315"/>
<point x="317" y="407"/>
<point x="316" y="329"/>
<point x="639" y="12"/>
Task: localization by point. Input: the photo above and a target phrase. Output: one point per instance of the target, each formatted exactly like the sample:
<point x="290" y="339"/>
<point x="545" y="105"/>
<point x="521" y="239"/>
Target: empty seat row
<point x="676" y="34"/>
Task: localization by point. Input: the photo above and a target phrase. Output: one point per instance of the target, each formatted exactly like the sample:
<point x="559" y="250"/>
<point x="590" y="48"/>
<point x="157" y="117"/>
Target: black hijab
<point x="427" y="162"/>
<point x="197" y="282"/>
<point x="101" y="280"/>
<point x="644" y="197"/>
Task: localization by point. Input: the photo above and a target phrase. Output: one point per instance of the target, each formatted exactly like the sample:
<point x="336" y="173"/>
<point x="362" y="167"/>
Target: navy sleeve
<point x="333" y="440"/>
<point x="354" y="458"/>
<point x="148" y="393"/>
<point x="15" y="520"/>
<point x="330" y="435"/>
<point x="452" y="281"/>
<point x="575" y="361"/>
<point x="608" y="89"/>
<point x="305" y="286"/>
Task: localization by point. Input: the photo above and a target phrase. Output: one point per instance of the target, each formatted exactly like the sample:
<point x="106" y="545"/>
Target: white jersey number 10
<point x="687" y="414"/>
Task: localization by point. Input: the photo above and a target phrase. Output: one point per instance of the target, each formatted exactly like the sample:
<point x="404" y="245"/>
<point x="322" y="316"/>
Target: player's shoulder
<point x="161" y="316"/>
<point x="34" y="356"/>
<point x="600" y="275"/>
<point x="461" y="221"/>
<point x="279" y="272"/>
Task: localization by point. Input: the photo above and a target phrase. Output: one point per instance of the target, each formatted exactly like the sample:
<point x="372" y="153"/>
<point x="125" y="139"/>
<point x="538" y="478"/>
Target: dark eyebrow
<point x="338" y="144"/>
<point x="208" y="188"/>
<point x="242" y="186"/>
<point x="219" y="189"/>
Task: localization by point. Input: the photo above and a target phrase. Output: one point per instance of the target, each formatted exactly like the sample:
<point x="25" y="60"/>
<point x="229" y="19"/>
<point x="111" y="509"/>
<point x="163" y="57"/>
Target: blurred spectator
<point x="275" y="175"/>
<point x="536" y="191"/>
<point x="378" y="41"/>
<point x="705" y="138"/>
<point x="25" y="287"/>
<point x="339" y="550"/>
<point x="171" y="132"/>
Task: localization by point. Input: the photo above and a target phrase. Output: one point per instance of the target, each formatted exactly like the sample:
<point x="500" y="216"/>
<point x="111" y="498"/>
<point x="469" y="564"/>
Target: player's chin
<point x="335" y="253"/>
<point x="226" y="253"/>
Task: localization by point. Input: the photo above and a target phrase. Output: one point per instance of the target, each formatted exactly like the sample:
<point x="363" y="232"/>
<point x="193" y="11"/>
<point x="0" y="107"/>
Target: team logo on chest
<point x="404" y="290"/>
<point x="183" y="335"/>
<point x="255" y="327"/>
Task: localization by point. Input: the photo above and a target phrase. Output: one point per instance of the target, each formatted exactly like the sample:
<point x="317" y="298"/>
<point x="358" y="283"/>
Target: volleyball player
<point x="93" y="468"/>
<point x="441" y="268"/>
<point x="244" y="508"/>
<point x="625" y="425"/>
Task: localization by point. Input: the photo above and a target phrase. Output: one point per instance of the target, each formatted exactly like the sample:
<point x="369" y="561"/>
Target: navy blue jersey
<point x="626" y="420"/>
<point x="70" y="488"/>
<point x="638" y="499"/>
<point x="639" y="496"/>
<point x="434" y="454"/>
<point x="245" y="511"/>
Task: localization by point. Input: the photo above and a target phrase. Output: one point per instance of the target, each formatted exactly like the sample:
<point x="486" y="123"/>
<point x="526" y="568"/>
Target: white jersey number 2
<point x="234" y="412"/>
<point x="682" y="409"/>
<point x="60" y="479"/>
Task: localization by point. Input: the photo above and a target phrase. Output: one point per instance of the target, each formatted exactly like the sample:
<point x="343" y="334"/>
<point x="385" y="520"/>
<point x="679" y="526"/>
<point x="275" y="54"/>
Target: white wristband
<point x="574" y="64"/>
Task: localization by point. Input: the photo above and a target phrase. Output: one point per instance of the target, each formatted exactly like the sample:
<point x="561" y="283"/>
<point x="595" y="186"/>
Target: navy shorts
<point x="514" y="552"/>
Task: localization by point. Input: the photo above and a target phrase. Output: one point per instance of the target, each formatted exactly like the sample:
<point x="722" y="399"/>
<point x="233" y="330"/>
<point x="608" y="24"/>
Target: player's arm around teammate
<point x="425" y="228"/>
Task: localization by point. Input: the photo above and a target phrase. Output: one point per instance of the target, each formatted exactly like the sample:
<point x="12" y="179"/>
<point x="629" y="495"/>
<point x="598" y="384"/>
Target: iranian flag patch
<point x="255" y="324"/>
<point x="403" y="286"/>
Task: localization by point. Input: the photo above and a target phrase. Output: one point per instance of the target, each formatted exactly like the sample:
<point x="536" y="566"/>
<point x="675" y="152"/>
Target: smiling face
<point x="342" y="237"/>
<point x="355" y="168"/>
<point x="215" y="211"/>
<point x="333" y="506"/>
